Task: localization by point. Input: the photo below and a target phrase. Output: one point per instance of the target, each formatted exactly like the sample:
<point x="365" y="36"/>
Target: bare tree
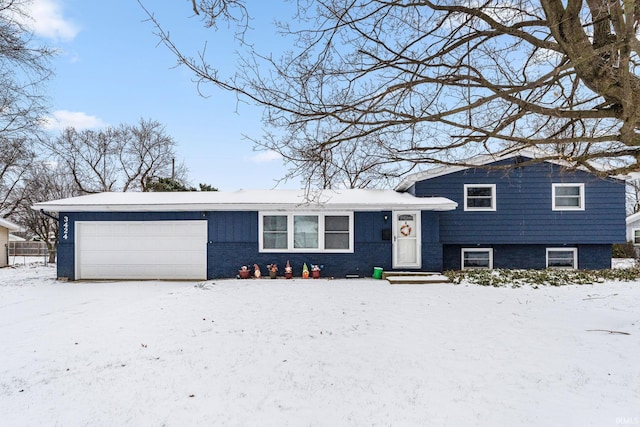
<point x="633" y="196"/>
<point x="122" y="158"/>
<point x="43" y="181"/>
<point x="426" y="82"/>
<point x="24" y="68"/>
<point x="15" y="157"/>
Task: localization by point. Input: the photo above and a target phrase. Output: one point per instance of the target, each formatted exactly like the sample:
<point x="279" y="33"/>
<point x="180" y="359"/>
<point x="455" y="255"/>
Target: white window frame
<point x="465" y="250"/>
<point x="290" y="232"/>
<point x="633" y="236"/>
<point x="567" y="208"/>
<point x="493" y="197"/>
<point x="560" y="249"/>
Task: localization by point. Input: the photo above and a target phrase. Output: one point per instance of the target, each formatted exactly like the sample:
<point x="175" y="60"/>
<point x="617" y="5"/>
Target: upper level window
<point x="308" y="232"/>
<point x="568" y="197"/>
<point x="479" y="197"/>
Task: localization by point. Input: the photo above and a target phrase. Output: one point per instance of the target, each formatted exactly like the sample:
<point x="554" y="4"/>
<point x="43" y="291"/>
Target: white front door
<point x="406" y="240"/>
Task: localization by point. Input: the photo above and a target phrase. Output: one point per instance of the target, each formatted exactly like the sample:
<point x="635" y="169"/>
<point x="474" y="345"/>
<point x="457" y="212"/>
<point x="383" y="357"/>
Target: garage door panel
<point x="191" y="258"/>
<point x="141" y="250"/>
<point x="142" y="243"/>
<point x="140" y="272"/>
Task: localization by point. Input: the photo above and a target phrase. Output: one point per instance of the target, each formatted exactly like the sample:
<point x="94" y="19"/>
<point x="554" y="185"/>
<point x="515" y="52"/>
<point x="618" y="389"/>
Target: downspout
<point x="47" y="214"/>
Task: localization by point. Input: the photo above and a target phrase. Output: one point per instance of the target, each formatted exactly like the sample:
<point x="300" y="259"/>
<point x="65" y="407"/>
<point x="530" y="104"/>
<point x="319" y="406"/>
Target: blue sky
<point x="111" y="70"/>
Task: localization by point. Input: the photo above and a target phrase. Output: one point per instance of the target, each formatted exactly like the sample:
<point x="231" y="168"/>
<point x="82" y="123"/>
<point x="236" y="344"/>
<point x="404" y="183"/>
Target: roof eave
<point x="633" y="217"/>
<point x="9" y="225"/>
<point x="445" y="205"/>
<point x="479" y="161"/>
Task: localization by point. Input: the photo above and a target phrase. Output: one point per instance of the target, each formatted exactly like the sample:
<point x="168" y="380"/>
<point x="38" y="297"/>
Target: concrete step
<point x="414" y="277"/>
<point x="385" y="274"/>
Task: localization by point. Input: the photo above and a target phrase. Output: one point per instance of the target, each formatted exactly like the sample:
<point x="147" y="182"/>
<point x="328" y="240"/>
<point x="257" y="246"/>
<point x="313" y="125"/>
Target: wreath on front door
<point x="405" y="230"/>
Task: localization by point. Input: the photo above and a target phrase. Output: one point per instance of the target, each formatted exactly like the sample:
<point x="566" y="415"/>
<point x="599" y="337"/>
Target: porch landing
<point x="414" y="277"/>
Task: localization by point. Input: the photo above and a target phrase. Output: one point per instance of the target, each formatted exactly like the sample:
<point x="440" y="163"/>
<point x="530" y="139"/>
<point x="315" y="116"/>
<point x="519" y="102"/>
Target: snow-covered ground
<point x="315" y="353"/>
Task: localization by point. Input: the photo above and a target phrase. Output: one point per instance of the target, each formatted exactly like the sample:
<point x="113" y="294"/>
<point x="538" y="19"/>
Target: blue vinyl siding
<point x="370" y="249"/>
<point x="227" y="255"/>
<point x="233" y="227"/>
<point x="524" y="212"/>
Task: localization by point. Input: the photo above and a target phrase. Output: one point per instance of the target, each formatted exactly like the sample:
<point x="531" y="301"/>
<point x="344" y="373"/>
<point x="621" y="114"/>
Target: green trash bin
<point x="377" y="272"/>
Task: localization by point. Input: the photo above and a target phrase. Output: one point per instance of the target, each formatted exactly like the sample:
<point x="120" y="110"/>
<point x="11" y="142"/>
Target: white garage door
<point x="141" y="250"/>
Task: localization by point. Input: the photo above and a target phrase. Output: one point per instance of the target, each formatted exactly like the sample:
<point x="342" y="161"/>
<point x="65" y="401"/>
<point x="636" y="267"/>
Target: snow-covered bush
<point x="548" y="277"/>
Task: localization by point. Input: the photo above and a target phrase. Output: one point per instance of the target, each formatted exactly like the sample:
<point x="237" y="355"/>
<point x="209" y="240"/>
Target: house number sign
<point x="65" y="227"/>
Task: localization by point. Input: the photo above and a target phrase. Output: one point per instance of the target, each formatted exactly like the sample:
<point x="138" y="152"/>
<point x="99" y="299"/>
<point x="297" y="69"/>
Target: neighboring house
<point x="633" y="229"/>
<point x="5" y="228"/>
<point x="528" y="216"/>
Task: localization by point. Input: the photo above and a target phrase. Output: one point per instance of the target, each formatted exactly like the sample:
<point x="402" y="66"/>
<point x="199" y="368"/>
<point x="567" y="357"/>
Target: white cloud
<point x="48" y="21"/>
<point x="62" y="119"/>
<point x="266" y="156"/>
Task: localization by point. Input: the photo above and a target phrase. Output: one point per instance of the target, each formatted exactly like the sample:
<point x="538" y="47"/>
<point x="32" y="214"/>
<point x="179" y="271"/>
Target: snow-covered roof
<point x="9" y="225"/>
<point x="529" y="152"/>
<point x="245" y="200"/>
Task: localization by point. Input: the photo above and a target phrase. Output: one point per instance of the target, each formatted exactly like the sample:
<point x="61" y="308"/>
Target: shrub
<point x="624" y="250"/>
<point x="535" y="278"/>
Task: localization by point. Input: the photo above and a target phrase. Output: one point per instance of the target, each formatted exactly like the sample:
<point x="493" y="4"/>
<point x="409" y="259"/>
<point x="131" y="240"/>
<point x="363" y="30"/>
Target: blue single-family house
<point x="497" y="212"/>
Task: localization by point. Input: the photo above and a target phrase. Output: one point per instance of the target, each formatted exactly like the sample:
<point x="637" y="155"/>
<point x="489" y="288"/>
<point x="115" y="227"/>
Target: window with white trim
<point x="337" y="232"/>
<point x="305" y="232"/>
<point x="479" y="197"/>
<point x="562" y="258"/>
<point x="274" y="232"/>
<point x="567" y="197"/>
<point x="636" y="236"/>
<point x="477" y="258"/>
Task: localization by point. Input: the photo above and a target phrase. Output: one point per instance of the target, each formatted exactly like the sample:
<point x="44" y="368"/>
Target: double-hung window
<point x="562" y="258"/>
<point x="636" y="236"/>
<point x="274" y="232"/>
<point x="306" y="232"/>
<point x="479" y="197"/>
<point x="337" y="232"/>
<point x="567" y="197"/>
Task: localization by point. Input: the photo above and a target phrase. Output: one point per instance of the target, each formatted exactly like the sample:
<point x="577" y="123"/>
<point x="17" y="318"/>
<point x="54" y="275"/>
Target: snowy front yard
<point x="315" y="353"/>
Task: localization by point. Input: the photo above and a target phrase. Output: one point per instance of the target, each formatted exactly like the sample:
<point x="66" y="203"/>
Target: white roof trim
<point x="247" y="200"/>
<point x="9" y="225"/>
<point x="634" y="217"/>
<point x="531" y="153"/>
